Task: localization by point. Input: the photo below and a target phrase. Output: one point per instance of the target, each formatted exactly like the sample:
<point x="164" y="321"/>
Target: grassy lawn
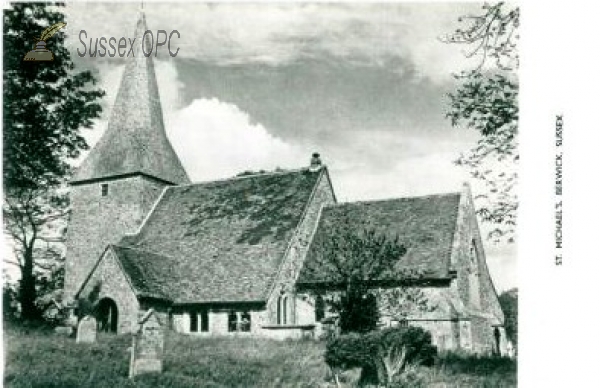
<point x="42" y="359"/>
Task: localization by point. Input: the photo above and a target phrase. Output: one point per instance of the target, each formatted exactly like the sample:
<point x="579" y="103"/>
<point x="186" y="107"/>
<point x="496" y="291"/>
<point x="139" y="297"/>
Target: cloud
<point x="215" y="139"/>
<point x="419" y="175"/>
<point x="278" y="34"/>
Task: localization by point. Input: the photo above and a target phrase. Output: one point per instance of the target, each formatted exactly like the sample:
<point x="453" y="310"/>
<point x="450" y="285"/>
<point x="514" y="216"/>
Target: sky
<point x="261" y="86"/>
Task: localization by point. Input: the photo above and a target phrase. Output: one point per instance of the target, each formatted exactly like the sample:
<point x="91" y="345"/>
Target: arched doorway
<point x="108" y="315"/>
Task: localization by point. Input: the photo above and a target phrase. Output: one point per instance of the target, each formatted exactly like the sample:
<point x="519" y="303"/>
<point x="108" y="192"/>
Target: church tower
<point x="124" y="174"/>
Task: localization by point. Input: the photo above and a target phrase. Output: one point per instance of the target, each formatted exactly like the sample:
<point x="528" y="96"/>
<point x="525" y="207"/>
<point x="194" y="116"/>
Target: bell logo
<point x="40" y="53"/>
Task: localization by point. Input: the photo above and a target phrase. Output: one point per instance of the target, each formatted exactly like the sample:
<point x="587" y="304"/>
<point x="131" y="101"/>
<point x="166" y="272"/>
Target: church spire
<point x="135" y="140"/>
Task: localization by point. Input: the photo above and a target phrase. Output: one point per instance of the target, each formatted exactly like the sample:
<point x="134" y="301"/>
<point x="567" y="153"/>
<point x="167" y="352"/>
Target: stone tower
<point x="125" y="173"/>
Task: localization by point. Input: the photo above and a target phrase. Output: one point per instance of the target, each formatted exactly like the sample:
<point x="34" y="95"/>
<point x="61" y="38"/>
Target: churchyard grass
<point x="43" y="359"/>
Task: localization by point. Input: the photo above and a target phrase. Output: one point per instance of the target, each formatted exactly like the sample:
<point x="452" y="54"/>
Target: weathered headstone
<point x="86" y="330"/>
<point x="148" y="346"/>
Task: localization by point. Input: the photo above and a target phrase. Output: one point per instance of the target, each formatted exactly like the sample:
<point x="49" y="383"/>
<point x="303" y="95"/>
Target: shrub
<point x="385" y="353"/>
<point x="10" y="303"/>
<point x="475" y="364"/>
<point x="348" y="351"/>
<point x="412" y="377"/>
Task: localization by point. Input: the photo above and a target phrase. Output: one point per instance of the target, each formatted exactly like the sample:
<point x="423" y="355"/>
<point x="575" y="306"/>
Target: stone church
<point x="228" y="257"/>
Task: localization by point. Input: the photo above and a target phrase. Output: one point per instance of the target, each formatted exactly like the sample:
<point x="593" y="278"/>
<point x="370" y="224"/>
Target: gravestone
<point x="148" y="346"/>
<point x="86" y="330"/>
<point x="69" y="323"/>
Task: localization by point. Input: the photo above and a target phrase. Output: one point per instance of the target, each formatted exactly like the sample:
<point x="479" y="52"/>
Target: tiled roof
<point x="425" y="227"/>
<point x="219" y="241"/>
<point x="145" y="271"/>
<point x="135" y="140"/>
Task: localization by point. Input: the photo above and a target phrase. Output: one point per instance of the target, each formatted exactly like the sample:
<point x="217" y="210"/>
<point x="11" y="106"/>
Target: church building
<point x="229" y="257"/>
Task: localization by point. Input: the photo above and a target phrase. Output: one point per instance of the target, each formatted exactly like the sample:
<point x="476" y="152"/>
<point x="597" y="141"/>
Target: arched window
<point x="319" y="308"/>
<point x="282" y="310"/>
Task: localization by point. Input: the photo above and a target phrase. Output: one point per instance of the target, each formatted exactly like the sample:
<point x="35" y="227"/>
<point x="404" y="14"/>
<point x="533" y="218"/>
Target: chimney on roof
<point x="315" y="162"/>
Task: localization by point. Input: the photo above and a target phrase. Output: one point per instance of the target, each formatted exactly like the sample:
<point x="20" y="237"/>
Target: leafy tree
<point x="359" y="312"/>
<point x="401" y="302"/>
<point x="509" y="301"/>
<point x="50" y="276"/>
<point x="486" y="100"/>
<point x="35" y="220"/>
<point x="354" y="258"/>
<point x="45" y="105"/>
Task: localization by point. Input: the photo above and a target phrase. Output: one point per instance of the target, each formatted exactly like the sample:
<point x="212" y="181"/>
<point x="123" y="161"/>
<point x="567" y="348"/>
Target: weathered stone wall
<point x="483" y="335"/>
<point x="181" y="322"/>
<point x="474" y="284"/>
<point x="218" y="323"/>
<point x="114" y="284"/>
<point x="97" y="221"/>
<point x="305" y="310"/>
<point x="468" y="234"/>
<point x="292" y="263"/>
<point x="484" y="339"/>
<point x="397" y="303"/>
<point x="488" y="298"/>
<point x="443" y="333"/>
<point x="438" y="315"/>
<point x="463" y="238"/>
<point x="288" y="332"/>
<point x="162" y="311"/>
<point x="466" y="338"/>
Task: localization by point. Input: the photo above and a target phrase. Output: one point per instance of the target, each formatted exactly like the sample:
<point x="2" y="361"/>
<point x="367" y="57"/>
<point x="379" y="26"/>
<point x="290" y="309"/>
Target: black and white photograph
<point x="282" y="194"/>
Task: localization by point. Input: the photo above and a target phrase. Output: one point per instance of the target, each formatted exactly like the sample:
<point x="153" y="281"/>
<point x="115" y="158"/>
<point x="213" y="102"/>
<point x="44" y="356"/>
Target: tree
<point x="35" y="220"/>
<point x="399" y="303"/>
<point x="487" y="101"/>
<point x="509" y="301"/>
<point x="354" y="258"/>
<point x="45" y="105"/>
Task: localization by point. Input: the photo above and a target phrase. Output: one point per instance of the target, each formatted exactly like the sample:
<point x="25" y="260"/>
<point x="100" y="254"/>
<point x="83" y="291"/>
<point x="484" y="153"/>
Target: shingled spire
<point x="135" y="140"/>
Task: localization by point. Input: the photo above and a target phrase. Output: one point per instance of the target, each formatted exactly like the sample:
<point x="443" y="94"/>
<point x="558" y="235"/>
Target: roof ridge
<point x="366" y="201"/>
<point x="241" y="177"/>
